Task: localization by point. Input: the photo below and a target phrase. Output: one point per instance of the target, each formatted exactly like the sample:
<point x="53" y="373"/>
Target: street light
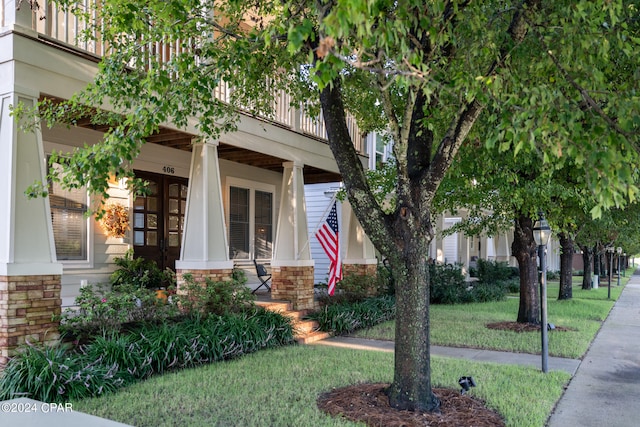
<point x="610" y="250"/>
<point x="619" y="250"/>
<point x="541" y="234"/>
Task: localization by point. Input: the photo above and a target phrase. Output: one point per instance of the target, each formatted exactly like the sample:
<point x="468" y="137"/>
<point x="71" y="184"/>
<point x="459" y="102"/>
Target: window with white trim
<point x="250" y="218"/>
<point x="70" y="222"/>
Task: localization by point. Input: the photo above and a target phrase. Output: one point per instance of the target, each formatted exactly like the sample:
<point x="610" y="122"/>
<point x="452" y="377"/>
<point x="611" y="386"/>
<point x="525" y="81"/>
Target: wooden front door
<point x="158" y="219"/>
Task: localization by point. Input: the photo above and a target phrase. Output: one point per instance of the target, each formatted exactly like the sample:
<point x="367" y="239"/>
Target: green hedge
<point x="61" y="373"/>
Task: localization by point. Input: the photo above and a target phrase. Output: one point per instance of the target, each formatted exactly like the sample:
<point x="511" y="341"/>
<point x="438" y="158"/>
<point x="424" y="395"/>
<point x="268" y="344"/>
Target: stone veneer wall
<point x="294" y="284"/>
<point x="27" y="307"/>
<point x="219" y="275"/>
<point x="370" y="270"/>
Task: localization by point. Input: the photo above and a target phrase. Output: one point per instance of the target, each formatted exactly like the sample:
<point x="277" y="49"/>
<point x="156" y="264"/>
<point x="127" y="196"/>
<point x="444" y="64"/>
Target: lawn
<point x="465" y="325"/>
<point x="279" y="387"/>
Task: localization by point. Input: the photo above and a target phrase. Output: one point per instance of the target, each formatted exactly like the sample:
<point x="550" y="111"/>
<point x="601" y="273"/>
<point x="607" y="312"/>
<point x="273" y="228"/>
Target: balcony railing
<point x="63" y="26"/>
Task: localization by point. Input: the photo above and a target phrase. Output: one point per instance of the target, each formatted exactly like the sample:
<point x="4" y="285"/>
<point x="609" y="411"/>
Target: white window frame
<point x="75" y="263"/>
<point x="252" y="186"/>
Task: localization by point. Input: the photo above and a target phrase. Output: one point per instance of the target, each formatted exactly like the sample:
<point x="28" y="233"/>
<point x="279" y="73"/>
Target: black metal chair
<point x="263" y="276"/>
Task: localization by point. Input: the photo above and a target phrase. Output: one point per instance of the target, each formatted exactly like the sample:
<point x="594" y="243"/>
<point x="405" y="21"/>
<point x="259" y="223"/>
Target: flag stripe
<point x="329" y="239"/>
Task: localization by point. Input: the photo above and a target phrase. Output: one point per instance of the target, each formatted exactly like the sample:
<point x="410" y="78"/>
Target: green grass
<point x="279" y="387"/>
<point x="464" y="325"/>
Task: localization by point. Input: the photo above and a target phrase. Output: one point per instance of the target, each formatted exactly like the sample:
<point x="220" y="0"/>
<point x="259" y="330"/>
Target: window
<point x="70" y="223"/>
<point x="251" y="215"/>
<point x="378" y="149"/>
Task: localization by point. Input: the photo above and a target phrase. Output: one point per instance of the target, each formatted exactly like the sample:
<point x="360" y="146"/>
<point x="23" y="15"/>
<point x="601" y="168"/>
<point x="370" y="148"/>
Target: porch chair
<point x="263" y="276"/>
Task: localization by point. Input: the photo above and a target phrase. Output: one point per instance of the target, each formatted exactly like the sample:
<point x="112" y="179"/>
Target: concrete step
<point x="313" y="337"/>
<point x="305" y="331"/>
<point x="305" y="326"/>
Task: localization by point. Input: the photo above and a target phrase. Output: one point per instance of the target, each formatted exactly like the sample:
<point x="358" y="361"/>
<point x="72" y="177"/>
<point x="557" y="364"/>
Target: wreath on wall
<point x="115" y="220"/>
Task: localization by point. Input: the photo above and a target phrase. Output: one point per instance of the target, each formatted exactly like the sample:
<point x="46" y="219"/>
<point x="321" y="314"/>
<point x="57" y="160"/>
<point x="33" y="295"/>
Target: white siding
<point x="317" y="205"/>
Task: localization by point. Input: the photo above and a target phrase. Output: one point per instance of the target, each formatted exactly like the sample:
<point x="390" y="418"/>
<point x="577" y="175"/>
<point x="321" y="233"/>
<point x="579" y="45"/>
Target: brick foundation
<point x="218" y="275"/>
<point x="27" y="306"/>
<point x="360" y="269"/>
<point x="370" y="270"/>
<point x="294" y="284"/>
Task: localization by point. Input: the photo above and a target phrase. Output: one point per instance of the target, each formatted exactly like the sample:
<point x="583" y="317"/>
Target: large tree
<point x="422" y="70"/>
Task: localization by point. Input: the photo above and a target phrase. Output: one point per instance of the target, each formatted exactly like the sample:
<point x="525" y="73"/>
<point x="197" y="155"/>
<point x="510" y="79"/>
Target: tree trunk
<point x="566" y="266"/>
<point x="587" y="259"/>
<point x="411" y="388"/>
<point x="597" y="262"/>
<point x="525" y="250"/>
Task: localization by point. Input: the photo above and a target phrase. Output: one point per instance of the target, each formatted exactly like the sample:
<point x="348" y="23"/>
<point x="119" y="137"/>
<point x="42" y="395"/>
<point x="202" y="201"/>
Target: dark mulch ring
<point x="521" y="327"/>
<point x="368" y="403"/>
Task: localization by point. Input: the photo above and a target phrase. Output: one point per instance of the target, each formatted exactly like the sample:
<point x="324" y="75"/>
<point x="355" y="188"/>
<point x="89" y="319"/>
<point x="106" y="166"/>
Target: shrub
<point x="448" y="286"/>
<point x="101" y="312"/>
<point x="351" y="288"/>
<point x="140" y="272"/>
<point x="347" y="317"/>
<point x="495" y="271"/>
<point x="215" y="297"/>
<point x="52" y="374"/>
<point x="553" y="275"/>
<point x="386" y="283"/>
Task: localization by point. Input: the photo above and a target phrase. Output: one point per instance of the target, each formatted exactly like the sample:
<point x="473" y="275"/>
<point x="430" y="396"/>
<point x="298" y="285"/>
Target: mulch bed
<point x="368" y="403"/>
<point x="522" y="327"/>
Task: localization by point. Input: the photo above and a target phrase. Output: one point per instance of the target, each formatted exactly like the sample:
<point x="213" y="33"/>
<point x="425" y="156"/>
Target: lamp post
<point x="610" y="267"/>
<point x="619" y="250"/>
<point x="541" y="234"/>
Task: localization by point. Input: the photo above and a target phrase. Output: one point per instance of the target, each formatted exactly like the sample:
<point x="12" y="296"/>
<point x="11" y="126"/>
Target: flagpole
<point x="322" y="218"/>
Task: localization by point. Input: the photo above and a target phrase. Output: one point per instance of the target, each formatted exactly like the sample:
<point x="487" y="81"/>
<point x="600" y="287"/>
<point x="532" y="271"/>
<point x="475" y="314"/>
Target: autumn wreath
<point x="115" y="220"/>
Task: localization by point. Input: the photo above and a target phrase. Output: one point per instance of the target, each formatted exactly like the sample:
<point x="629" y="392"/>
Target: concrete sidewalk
<point x="605" y="390"/>
<point x="503" y="357"/>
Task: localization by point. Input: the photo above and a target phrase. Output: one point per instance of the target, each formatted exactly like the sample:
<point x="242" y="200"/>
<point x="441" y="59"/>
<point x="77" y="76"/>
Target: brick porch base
<point x="27" y="305"/>
<point x="199" y="276"/>
<point x="294" y="284"/>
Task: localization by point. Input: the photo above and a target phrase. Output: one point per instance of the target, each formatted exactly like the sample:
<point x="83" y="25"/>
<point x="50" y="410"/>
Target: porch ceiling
<point x="182" y="140"/>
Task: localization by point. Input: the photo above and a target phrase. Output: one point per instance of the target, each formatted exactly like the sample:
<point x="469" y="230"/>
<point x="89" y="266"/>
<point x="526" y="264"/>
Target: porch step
<point x="305" y="331"/>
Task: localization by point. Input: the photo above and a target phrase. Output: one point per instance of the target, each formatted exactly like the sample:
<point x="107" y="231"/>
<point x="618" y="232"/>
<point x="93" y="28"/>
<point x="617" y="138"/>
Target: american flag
<point x="329" y="238"/>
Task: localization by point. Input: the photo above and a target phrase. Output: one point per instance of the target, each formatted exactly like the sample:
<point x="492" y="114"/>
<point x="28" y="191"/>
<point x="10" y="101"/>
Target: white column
<point x="357" y="248"/>
<point x="502" y="249"/>
<point x="204" y="245"/>
<point x="15" y="18"/>
<point x="291" y="247"/>
<point x="26" y="242"/>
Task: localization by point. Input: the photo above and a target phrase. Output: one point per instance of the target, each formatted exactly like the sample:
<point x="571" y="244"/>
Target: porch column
<point x="438" y="255"/>
<point x="359" y="254"/>
<point x="503" y="248"/>
<point x="205" y="251"/>
<point x="15" y="18"/>
<point x="29" y="273"/>
<point x="292" y="266"/>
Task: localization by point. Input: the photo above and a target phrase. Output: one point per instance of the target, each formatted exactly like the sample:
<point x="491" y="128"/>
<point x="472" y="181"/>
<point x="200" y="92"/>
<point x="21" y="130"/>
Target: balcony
<point x="64" y="28"/>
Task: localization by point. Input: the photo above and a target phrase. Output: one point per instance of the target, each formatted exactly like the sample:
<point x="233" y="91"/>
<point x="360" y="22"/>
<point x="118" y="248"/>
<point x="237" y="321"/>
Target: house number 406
<point x="168" y="169"/>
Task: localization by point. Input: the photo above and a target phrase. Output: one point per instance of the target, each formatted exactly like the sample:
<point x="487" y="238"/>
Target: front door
<point x="158" y="219"/>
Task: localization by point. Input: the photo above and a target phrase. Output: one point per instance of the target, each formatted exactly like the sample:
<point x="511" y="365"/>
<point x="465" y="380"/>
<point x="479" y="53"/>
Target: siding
<point x="317" y="204"/>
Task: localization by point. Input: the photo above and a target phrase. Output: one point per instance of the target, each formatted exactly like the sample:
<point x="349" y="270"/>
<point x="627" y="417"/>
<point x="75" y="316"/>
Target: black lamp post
<point x="619" y="250"/>
<point x="610" y="250"/>
<point x="541" y="234"/>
